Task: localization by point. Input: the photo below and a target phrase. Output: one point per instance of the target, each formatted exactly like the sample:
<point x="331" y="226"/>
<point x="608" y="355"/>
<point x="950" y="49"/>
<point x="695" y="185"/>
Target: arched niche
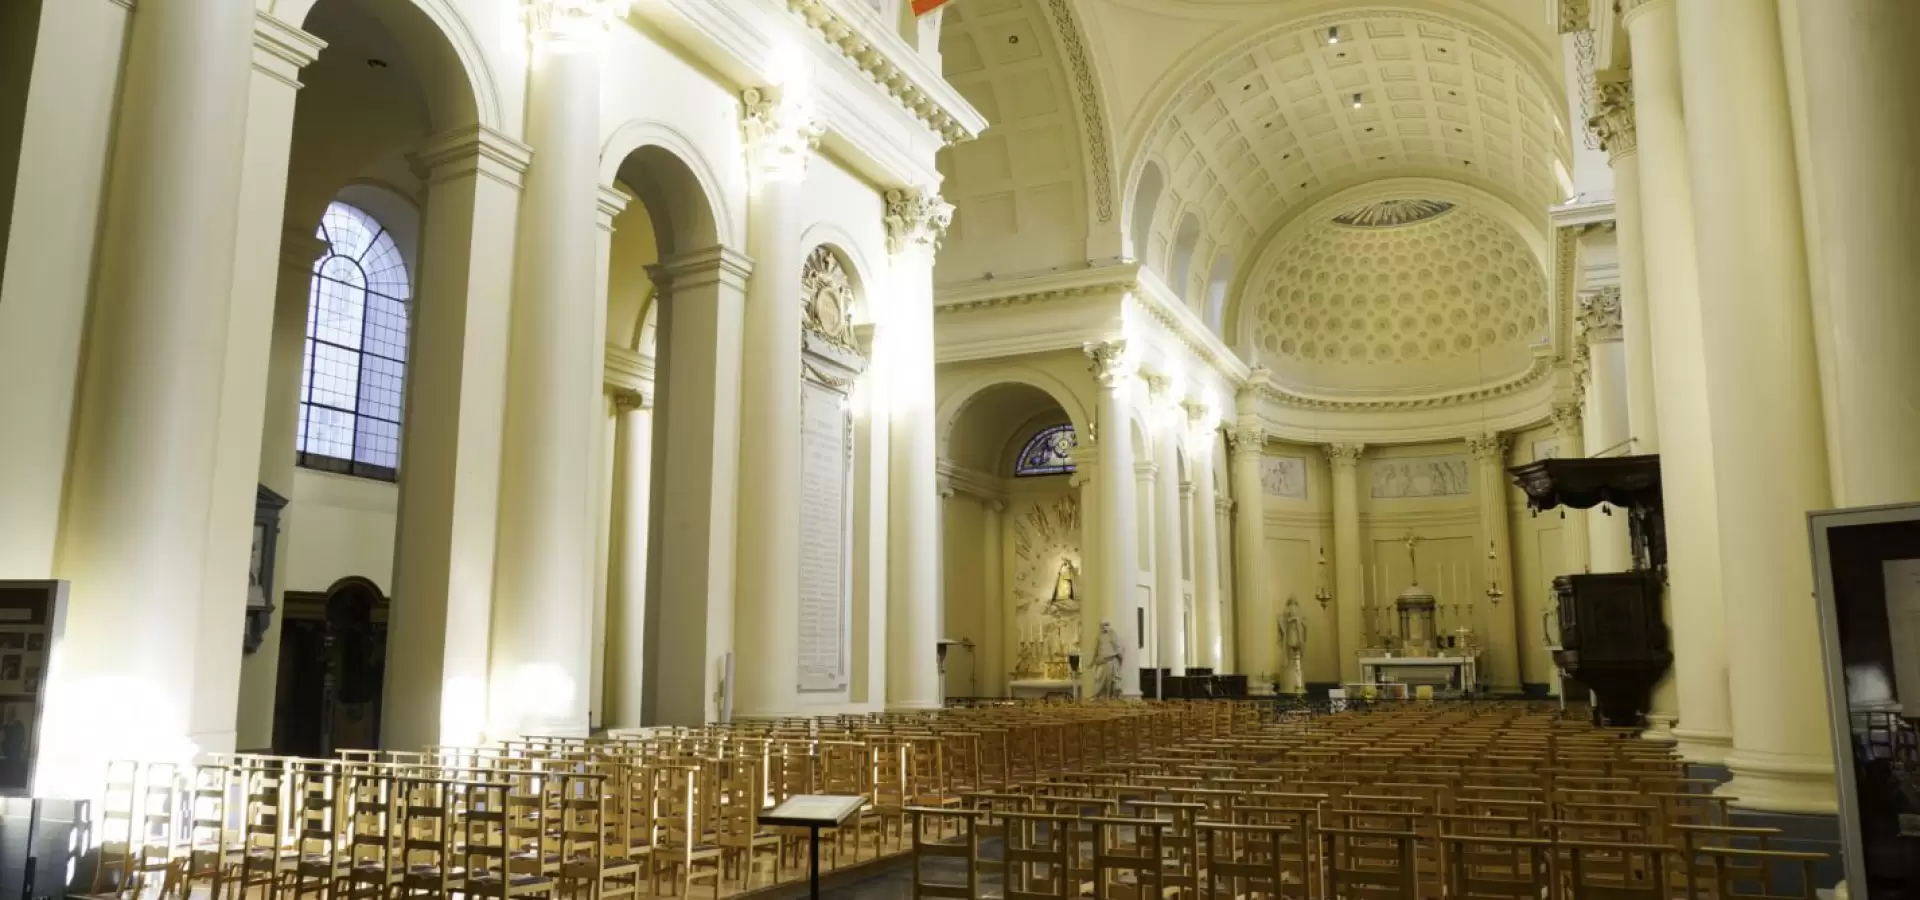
<point x="970" y="393"/>
<point x="1146" y="202"/>
<point x="1184" y="243"/>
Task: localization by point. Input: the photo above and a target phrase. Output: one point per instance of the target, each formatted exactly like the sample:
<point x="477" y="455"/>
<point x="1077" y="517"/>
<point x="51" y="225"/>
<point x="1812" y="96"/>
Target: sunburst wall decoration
<point x="1389" y="213"/>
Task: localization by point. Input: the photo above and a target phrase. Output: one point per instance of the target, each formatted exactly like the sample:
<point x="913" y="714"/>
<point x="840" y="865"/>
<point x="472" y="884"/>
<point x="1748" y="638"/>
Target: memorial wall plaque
<point x="825" y="516"/>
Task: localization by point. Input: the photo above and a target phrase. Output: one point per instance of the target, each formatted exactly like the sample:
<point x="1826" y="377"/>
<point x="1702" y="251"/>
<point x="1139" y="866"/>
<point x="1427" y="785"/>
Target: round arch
<point x="470" y="98"/>
<point x="701" y="212"/>
<point x="955" y="406"/>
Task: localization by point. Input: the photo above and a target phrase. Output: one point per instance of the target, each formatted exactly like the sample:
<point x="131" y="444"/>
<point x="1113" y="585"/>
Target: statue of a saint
<point x="1063" y="581"/>
<point x="1107" y="657"/>
<point x="1293" y="638"/>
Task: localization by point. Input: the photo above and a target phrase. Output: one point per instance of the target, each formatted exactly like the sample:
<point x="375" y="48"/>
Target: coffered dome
<point x="1396" y="294"/>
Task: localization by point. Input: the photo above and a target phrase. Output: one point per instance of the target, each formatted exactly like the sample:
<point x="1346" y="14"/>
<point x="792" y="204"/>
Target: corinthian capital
<point x="1600" y="314"/>
<point x="571" y="19"/>
<point x="1344" y="456"/>
<point x="1248" y="440"/>
<point x="1488" y="447"/>
<point x="1108" y="362"/>
<point x="1566" y="423"/>
<point x="1612" y="120"/>
<point x="917" y="218"/>
<point x="780" y="130"/>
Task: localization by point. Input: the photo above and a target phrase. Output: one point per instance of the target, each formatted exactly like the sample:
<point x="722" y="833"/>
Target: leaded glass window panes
<point x="353" y="379"/>
<point x="1049" y="452"/>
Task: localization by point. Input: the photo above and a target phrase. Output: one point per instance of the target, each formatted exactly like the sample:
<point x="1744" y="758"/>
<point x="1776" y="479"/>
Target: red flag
<point x="922" y="7"/>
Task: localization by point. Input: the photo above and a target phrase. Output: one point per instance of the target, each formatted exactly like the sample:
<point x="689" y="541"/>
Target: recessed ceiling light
<point x="1333" y="35"/>
<point x="1358" y="101"/>
<point x="1013" y="39"/>
<point x="374" y="62"/>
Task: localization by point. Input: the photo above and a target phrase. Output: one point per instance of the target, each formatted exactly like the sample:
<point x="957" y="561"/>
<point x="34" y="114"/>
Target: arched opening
<point x="668" y="314"/>
<point x="1146" y="201"/>
<point x="1184" y="243"/>
<point x="1012" y="545"/>
<point x="369" y="384"/>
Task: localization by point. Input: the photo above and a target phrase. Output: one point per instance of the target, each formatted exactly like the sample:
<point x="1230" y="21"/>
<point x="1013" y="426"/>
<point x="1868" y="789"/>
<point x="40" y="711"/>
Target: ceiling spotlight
<point x="1358" y="101"/>
<point x="1333" y="35"/>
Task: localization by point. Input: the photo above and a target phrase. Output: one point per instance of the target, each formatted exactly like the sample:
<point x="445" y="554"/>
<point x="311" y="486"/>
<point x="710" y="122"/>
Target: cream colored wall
<point x="1539" y="554"/>
<point x="345" y="527"/>
<point x="964" y="592"/>
<point x="1296" y="530"/>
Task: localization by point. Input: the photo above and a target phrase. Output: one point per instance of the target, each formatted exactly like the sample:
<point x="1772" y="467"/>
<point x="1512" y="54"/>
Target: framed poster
<point x="1866" y="569"/>
<point x="32" y="617"/>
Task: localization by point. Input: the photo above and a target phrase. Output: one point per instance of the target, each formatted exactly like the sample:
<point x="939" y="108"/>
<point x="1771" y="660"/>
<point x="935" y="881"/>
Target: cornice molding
<point x="972" y="482"/>
<point x="1536" y="372"/>
<point x="475" y="148"/>
<point x="628" y="370"/>
<point x="281" y="49"/>
<point x="897" y="70"/>
<point x="1581" y="212"/>
<point x="1086" y="96"/>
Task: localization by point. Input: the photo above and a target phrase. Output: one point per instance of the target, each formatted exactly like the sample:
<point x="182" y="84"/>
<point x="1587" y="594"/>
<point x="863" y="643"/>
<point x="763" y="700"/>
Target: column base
<point x="1780" y="783"/>
<point x="1703" y="747"/>
<point x="1659" y="728"/>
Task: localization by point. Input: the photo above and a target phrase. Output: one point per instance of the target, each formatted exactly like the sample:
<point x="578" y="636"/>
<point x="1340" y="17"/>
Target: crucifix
<point x="1413" y="553"/>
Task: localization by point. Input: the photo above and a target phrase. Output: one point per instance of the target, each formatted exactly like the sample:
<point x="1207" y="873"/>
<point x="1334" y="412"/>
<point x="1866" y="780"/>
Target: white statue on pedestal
<point x="1107" y="657"/>
<point x="1293" y="639"/>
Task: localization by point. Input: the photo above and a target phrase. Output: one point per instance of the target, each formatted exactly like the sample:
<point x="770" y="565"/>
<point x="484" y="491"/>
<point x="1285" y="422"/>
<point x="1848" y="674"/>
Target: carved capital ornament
<point x="1600" y="314"/>
<point x="1488" y="447"/>
<point x="1108" y="362"/>
<point x="916" y="219"/>
<point x="781" y="133"/>
<point x="1344" y="456"/>
<point x="1613" y="120"/>
<point x="571" y="19"/>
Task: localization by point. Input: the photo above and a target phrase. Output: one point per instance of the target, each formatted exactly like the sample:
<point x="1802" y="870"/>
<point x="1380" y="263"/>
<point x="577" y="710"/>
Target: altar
<point x="1460" y="673"/>
<point x="1042" y="688"/>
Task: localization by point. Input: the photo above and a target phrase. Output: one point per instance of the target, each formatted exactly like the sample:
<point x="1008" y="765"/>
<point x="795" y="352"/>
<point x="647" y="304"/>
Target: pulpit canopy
<point x="1631" y="483"/>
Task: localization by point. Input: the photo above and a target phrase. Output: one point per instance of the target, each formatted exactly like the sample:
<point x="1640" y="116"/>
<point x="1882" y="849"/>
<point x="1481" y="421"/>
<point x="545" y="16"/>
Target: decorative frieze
<point x="917" y="219"/>
<point x="1613" y="118"/>
<point x="781" y="133"/>
<point x="1600" y="314"/>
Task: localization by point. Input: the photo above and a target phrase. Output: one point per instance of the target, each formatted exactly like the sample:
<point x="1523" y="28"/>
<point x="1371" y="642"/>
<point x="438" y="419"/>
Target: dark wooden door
<point x="333" y="653"/>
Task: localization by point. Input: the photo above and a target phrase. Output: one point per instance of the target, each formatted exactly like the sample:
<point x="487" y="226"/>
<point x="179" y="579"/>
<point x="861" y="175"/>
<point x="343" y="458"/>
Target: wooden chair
<point x="741" y="838"/>
<point x="685" y="816"/>
<point x="965" y="848"/>
<point x="1246" y="861"/>
<point x="1037" y="856"/>
<point x="1597" y="870"/>
<point x="1370" y="865"/>
<point x="427" y="867"/>
<point x="320" y="852"/>
<point x="493" y="862"/>
<point x="267" y="859"/>
<point x="1486" y="867"/>
<point x="212" y="844"/>
<point x="1743" y="874"/>
<point x="1128" y="858"/>
<point x="375" y="845"/>
<point x="591" y="864"/>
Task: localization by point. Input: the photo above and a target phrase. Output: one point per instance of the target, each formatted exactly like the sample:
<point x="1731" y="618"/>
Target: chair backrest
<point x="1500" y="868"/>
<point x="1365" y="864"/>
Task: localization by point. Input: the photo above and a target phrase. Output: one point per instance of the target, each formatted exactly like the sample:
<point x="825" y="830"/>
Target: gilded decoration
<point x="827" y="294"/>
<point x="1046" y="592"/>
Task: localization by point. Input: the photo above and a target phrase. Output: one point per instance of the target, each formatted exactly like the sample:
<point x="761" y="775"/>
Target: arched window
<point x="1049" y="452"/>
<point x="356" y="359"/>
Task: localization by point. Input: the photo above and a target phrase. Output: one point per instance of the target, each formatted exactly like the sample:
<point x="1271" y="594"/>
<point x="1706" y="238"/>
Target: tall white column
<point x="1255" y="618"/>
<point x="1570" y="428"/>
<point x="1763" y="394"/>
<point x="781" y="136"/>
<point x="1202" y="512"/>
<point x="997" y="639"/>
<point x="140" y="485"/>
<point x="1118" y="539"/>
<point x="1689" y="482"/>
<point x="916" y="222"/>
<point x="1222" y="563"/>
<point x="1858" y="128"/>
<point x="1607" y="544"/>
<point x="1169" y="583"/>
<point x="1500" y="631"/>
<point x="627" y="559"/>
<point x="1616" y="125"/>
<point x="1349" y="568"/>
<point x="542" y="618"/>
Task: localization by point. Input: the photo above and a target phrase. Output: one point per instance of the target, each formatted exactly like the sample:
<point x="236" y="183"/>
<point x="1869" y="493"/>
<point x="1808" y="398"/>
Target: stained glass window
<point x="1048" y="453"/>
<point x="356" y="358"/>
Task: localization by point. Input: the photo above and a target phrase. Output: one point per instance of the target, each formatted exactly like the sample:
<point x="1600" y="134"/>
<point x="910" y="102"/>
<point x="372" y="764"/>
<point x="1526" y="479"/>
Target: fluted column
<point x="1607" y="545"/>
<point x="1113" y="372"/>
<point x="627" y="548"/>
<point x="1255" y="620"/>
<point x="1763" y="393"/>
<point x="1206" y="536"/>
<point x="1617" y="126"/>
<point x="1689" y="482"/>
<point x="780" y="137"/>
<point x="1857" y="120"/>
<point x="1501" y="639"/>
<point x="140" y="486"/>
<point x="1169" y="588"/>
<point x="999" y="624"/>
<point x="916" y="222"/>
<point x="542" y="616"/>
<point x="1349" y="579"/>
